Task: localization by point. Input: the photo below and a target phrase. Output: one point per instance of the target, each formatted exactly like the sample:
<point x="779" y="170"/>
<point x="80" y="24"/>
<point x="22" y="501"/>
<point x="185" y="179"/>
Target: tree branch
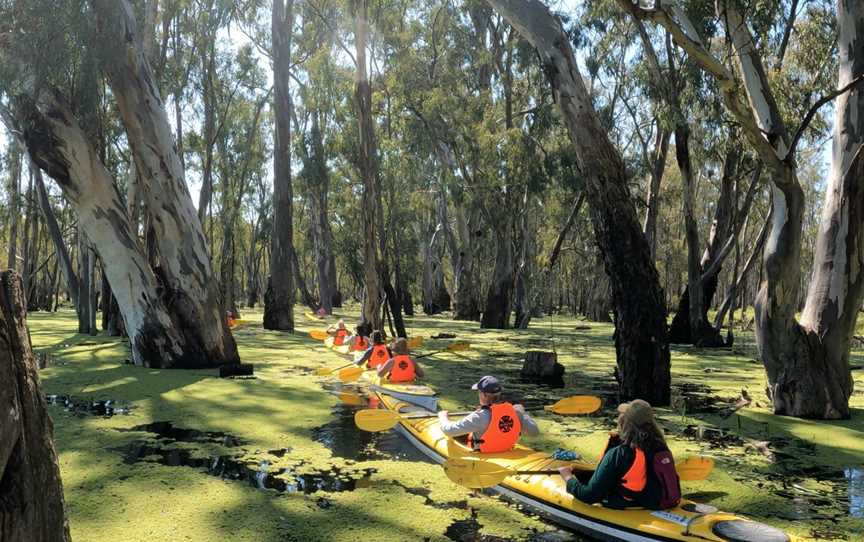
<point x="813" y="110"/>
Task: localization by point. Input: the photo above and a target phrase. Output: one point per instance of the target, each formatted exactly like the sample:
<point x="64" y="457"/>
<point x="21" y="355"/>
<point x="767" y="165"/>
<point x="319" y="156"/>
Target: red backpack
<point x="663" y="467"/>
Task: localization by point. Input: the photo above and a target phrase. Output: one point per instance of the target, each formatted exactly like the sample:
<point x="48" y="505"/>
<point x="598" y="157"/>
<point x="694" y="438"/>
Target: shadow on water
<point x="345" y="440"/>
<point x="258" y="474"/>
<point x="470" y="530"/>
<point x="82" y="406"/>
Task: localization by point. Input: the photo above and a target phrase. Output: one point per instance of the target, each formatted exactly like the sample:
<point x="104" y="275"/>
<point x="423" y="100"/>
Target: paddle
<point x="324" y="371"/>
<point x="478" y="473"/>
<point x="350" y="398"/>
<point x="318" y="334"/>
<point x="351" y="373"/>
<point x="382" y="420"/>
<point x="455" y="347"/>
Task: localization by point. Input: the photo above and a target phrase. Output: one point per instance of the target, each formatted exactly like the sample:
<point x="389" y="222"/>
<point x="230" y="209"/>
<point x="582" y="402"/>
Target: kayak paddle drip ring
<point x="738" y="530"/>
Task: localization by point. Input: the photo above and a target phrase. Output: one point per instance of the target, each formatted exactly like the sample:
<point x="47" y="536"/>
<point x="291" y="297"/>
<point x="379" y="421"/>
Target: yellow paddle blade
<point x="459" y="347"/>
<point x="577" y="404"/>
<point x="351" y="399"/>
<point x="323" y="371"/>
<point x="374" y="420"/>
<point x="415" y="342"/>
<point x="694" y="468"/>
<point x="475" y="473"/>
<point x="350" y="374"/>
<point x="318" y="334"/>
<point x="312" y="316"/>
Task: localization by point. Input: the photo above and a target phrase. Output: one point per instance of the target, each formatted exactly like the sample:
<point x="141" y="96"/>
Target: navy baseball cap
<point x="487" y="384"/>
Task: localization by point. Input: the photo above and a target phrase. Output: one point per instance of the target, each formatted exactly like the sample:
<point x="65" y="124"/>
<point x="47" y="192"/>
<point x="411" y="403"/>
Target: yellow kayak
<point x="546" y="494"/>
<point x="415" y="394"/>
<point x="341" y="349"/>
<point x="312" y="316"/>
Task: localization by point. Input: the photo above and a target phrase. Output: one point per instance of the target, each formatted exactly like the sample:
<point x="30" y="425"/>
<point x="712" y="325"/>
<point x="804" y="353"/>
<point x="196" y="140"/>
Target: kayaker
<point x="360" y="339"/>
<point x="636" y="468"/>
<point x="339" y="333"/>
<point x="496" y="425"/>
<point x="378" y="354"/>
<point x="400" y="368"/>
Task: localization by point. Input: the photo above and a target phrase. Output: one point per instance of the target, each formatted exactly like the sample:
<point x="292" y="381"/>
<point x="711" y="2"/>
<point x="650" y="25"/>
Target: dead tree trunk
<point x="32" y="507"/>
<point x="640" y="328"/>
<point x="658" y="166"/>
<point x="190" y="284"/>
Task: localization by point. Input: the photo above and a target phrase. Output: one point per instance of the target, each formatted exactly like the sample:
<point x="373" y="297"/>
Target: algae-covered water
<point x="155" y="455"/>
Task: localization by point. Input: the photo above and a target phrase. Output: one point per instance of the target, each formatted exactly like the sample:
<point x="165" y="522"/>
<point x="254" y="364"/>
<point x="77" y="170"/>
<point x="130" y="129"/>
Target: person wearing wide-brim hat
<point x="625" y="478"/>
<point x="496" y="425"/>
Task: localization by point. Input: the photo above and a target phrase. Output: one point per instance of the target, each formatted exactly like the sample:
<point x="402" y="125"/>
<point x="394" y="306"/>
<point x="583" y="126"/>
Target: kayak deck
<point x="547" y="494"/>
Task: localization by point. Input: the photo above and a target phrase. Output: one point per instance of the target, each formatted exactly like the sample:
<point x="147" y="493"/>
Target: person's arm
<point x="384" y="369"/>
<point x="365" y="357"/>
<point x="529" y="426"/>
<point x="476" y="422"/>
<point x="605" y="479"/>
<point x="418" y="370"/>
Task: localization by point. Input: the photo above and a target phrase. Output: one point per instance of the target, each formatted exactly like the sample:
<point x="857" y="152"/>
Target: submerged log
<point x="31" y="494"/>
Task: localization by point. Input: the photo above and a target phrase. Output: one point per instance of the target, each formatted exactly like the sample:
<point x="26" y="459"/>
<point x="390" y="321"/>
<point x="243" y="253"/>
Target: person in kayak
<point x="360" y="340"/>
<point x="339" y="333"/>
<point x="400" y="368"/>
<point x="378" y="354"/>
<point x="496" y="425"/>
<point x="636" y="468"/>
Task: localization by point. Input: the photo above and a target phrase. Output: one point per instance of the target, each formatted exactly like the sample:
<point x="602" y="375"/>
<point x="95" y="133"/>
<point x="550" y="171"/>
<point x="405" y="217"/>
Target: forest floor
<point x="157" y="456"/>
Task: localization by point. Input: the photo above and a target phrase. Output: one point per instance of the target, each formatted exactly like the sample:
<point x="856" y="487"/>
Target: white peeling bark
<point x="57" y="144"/>
<point x="188" y="276"/>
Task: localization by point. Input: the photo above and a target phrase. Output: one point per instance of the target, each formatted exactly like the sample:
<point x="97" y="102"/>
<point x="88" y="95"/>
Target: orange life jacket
<point x="379" y="356"/>
<point x="636" y="477"/>
<point x="503" y="430"/>
<point x="339" y="337"/>
<point x="360" y="344"/>
<point x="402" y="370"/>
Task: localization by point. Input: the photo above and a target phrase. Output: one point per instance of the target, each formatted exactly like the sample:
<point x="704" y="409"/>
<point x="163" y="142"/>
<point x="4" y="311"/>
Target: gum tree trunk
<point x="368" y="166"/>
<point x="641" y="345"/>
<point x="807" y="363"/>
<point x="499" y="297"/>
<point x="65" y="261"/>
<point x="658" y="166"/>
<point x="57" y="144"/>
<point x="279" y="298"/>
<point x="32" y="507"/>
<point x="189" y="283"/>
<point x="14" y="202"/>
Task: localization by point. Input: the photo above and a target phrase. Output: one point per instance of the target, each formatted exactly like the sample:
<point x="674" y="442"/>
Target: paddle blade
<point x="459" y="347"/>
<point x="318" y="334"/>
<point x="475" y="473"/>
<point x="694" y="468"/>
<point x="351" y="399"/>
<point x="376" y="420"/>
<point x="323" y="371"/>
<point x="415" y="342"/>
<point x="578" y="404"/>
<point x="350" y="374"/>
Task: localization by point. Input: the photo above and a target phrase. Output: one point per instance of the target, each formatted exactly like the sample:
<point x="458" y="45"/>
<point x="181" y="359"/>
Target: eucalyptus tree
<point x="642" y="349"/>
<point x="806" y="360"/>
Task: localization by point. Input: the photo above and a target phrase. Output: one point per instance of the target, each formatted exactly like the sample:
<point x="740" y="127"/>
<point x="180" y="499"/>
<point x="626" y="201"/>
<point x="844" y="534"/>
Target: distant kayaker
<point x="378" y="354"/>
<point x="400" y="368"/>
<point x="338" y="332"/>
<point x="636" y="468"/>
<point x="496" y="425"/>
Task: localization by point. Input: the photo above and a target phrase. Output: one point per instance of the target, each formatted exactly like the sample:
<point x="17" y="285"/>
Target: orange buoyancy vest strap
<point x="503" y="430"/>
<point x="339" y="337"/>
<point x="636" y="476"/>
<point x="403" y="369"/>
<point x="379" y="356"/>
<point x="360" y="344"/>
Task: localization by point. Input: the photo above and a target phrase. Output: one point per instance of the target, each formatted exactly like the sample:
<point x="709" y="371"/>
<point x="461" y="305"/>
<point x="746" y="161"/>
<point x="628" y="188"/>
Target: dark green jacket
<point x="605" y="484"/>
